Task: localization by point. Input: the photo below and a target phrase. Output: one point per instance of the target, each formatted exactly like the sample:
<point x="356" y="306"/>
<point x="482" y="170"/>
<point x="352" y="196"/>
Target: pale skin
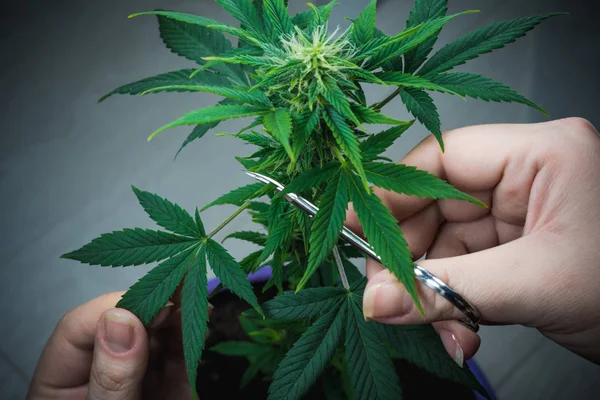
<point x="531" y="258"/>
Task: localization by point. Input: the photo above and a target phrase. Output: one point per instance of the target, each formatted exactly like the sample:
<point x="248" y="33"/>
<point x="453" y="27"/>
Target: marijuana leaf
<point x="148" y="295"/>
<point x="382" y="231"/>
<point x="194" y="314"/>
<point x="241" y="194"/>
<point x="308" y="357"/>
<point x="413" y="182"/>
<point x="312" y="17"/>
<point x="378" y="143"/>
<point x="277" y="18"/>
<point x="240" y="94"/>
<point x="371" y="371"/>
<point x="480" y="87"/>
<point x="311" y="178"/>
<point x="230" y="273"/>
<point x="168" y="215"/>
<point x="213" y="114"/>
<point x="424" y="10"/>
<point x="369" y="116"/>
<point x="364" y="26"/>
<point x="307" y="303"/>
<point x="408" y="80"/>
<point x="174" y="81"/>
<point x="420" y="104"/>
<point x="245" y="12"/>
<point x="249" y="236"/>
<point x="480" y="41"/>
<point x="279" y="124"/>
<point x="280" y="229"/>
<point x="327" y="224"/>
<point x="131" y="247"/>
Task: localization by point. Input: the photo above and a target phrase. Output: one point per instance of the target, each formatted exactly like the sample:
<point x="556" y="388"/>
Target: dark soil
<point x="219" y="376"/>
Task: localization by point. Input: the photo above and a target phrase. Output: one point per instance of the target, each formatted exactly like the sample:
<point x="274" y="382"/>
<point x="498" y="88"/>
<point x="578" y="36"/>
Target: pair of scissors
<point x="472" y="316"/>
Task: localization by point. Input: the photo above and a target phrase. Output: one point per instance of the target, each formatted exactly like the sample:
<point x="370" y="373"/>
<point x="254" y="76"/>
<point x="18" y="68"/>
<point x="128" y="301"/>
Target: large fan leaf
<point x="480" y="41"/>
<point x="420" y="104"/>
<point x="378" y="143"/>
<point x="168" y="215"/>
<point x="131" y="247"/>
<point x="308" y="357"/>
<point x="241" y="194"/>
<point x="369" y="116"/>
<point x="306" y="304"/>
<point x="408" y="80"/>
<point x="148" y="295"/>
<point x="245" y="12"/>
<point x="240" y="94"/>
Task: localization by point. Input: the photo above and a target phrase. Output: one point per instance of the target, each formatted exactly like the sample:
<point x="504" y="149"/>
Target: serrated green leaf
<point x="371" y="371"/>
<point x="212" y="114"/>
<point x="408" y="80"/>
<point x="230" y="273"/>
<point x="421" y="105"/>
<point x="195" y="42"/>
<point x="199" y="224"/>
<point x="131" y="247"/>
<point x="364" y="25"/>
<point x="173" y="78"/>
<point x="327" y="224"/>
<point x="411" y="181"/>
<point x="305" y="19"/>
<point x="304" y="125"/>
<point x="378" y="143"/>
<point x="255" y="61"/>
<point x="308" y="357"/>
<point x="380" y="43"/>
<point x="280" y="230"/>
<point x="245" y="12"/>
<point x="240" y="348"/>
<point x="369" y="116"/>
<point x="279" y="124"/>
<point x="276" y="278"/>
<point x="421" y="346"/>
<point x="338" y="100"/>
<point x="424" y="10"/>
<point x="258" y="140"/>
<point x="311" y="178"/>
<point x="277" y="18"/>
<point x="383" y="233"/>
<point x="480" y="41"/>
<point x="306" y="304"/>
<point x="168" y="215"/>
<point x="480" y="87"/>
<point x="240" y="93"/>
<point x="346" y="139"/>
<point x="249" y="236"/>
<point x="241" y="194"/>
<point x="194" y="314"/>
<point x="251" y="263"/>
<point x="150" y="293"/>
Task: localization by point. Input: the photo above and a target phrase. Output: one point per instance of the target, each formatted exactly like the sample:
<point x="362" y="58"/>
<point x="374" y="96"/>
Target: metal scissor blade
<point x="346" y="234"/>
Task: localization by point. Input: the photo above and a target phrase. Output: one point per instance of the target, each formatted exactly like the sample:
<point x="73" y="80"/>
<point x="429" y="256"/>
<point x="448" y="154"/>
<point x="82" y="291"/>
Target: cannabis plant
<point x="302" y="85"/>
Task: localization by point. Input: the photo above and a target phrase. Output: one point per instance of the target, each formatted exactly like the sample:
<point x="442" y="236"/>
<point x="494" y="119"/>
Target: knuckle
<point x="578" y="130"/>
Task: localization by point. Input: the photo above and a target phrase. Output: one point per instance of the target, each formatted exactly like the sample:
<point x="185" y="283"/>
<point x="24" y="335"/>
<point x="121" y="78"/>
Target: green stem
<point x="228" y="220"/>
<point x="382" y="103"/>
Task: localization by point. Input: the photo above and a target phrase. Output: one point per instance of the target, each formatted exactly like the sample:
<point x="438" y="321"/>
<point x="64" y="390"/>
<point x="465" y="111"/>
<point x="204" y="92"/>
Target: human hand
<point x="531" y="258"/>
<point x="104" y="353"/>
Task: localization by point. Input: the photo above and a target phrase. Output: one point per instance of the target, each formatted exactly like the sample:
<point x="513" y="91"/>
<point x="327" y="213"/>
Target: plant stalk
<point x="382" y="103"/>
<point x="338" y="261"/>
<point x="228" y="220"/>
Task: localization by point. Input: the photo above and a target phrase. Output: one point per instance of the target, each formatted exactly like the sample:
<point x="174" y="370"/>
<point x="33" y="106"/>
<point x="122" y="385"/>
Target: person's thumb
<point x="120" y="357"/>
<point x="503" y="283"/>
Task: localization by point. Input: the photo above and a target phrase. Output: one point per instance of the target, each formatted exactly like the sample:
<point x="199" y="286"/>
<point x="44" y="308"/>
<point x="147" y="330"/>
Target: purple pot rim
<point x="264" y="274"/>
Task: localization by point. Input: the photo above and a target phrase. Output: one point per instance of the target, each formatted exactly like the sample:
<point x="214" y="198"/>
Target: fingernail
<point x="452" y="347"/>
<point x="119" y="334"/>
<point x="385" y="299"/>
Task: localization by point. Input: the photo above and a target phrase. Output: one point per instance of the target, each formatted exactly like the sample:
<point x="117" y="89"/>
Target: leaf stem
<point x="229" y="219"/>
<point x="338" y="261"/>
<point x="382" y="103"/>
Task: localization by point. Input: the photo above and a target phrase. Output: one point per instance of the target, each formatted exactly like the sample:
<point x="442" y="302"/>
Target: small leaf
<point x="171" y="82"/>
<point x="251" y="263"/>
<point x="241" y="194"/>
<point x="338" y="100"/>
<point x="212" y="114"/>
<point x="480" y="87"/>
<point x="312" y="178"/>
<point x="245" y="12"/>
<point x="383" y="233"/>
<point x="306" y="304"/>
<point x="194" y="315"/>
<point x="149" y="294"/>
<point x="480" y="41"/>
<point x="307" y="18"/>
<point x="277" y="18"/>
<point x="168" y="215"/>
<point x="240" y="93"/>
<point x="131" y="247"/>
<point x="346" y="139"/>
<point x="258" y="140"/>
<point x="239" y="348"/>
<point x="408" y="80"/>
<point x="279" y="124"/>
<point x="327" y="224"/>
<point x="280" y="230"/>
<point x="372" y="372"/>
<point x="364" y="25"/>
<point x="199" y="224"/>
<point x="420" y="104"/>
<point x="378" y="143"/>
<point x="368" y="116"/>
<point x="249" y="236"/>
<point x="308" y="357"/>
<point x="230" y="273"/>
<point x="413" y="182"/>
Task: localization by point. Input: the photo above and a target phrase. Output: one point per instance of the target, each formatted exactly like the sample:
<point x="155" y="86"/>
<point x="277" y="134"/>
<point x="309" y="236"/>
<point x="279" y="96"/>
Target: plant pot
<point x="213" y="377"/>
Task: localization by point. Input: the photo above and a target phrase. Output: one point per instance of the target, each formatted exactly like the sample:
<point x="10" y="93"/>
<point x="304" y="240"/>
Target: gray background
<point x="67" y="163"/>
